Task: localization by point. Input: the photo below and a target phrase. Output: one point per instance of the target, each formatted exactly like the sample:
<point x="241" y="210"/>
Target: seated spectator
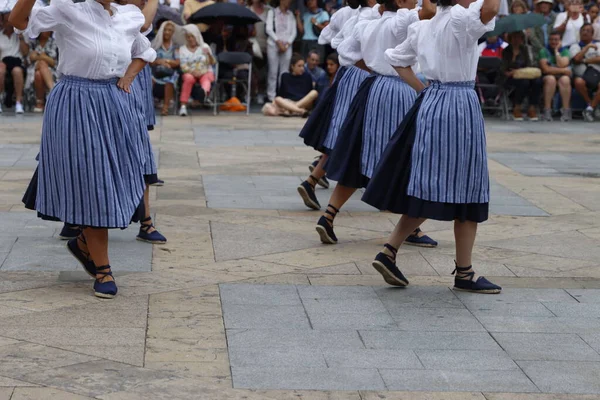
<point x="326" y="80"/>
<point x="238" y="40"/>
<point x="540" y="34"/>
<point x="594" y="20"/>
<point x="554" y="63"/>
<point x="12" y="50"/>
<point x="41" y="71"/>
<point x="516" y="57"/>
<point x="569" y="23"/>
<point x="310" y="24"/>
<point x="492" y="47"/>
<point x="518" y="7"/>
<point x="312" y="66"/>
<point x="586" y="70"/>
<point x="259" y="39"/>
<point x="196" y="61"/>
<point x="296" y="94"/>
<point x="166" y="65"/>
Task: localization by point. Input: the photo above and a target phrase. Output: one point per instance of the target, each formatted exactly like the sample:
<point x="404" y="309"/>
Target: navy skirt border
<point x="344" y="162"/>
<point x="316" y="127"/>
<point x="387" y="190"/>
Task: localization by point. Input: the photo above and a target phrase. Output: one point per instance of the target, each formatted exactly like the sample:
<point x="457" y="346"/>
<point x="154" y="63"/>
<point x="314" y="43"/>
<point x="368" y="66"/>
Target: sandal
<point x="307" y="192"/>
<point x="386" y="266"/>
<point x="481" y="285"/>
<point x="108" y="289"/>
<point x="69" y="231"/>
<point x="164" y="113"/>
<point x="422" y="241"/>
<point x="82" y="256"/>
<point x="323" y="182"/>
<point x="154" y="237"/>
<point x="325" y="226"/>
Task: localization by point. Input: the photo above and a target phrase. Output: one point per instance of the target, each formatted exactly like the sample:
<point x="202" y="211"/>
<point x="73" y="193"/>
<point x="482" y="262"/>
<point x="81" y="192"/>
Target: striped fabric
<point x="136" y="102"/>
<point x="145" y="78"/>
<point x="91" y="155"/>
<point x="449" y="159"/>
<point x="347" y="88"/>
<point x="389" y="100"/>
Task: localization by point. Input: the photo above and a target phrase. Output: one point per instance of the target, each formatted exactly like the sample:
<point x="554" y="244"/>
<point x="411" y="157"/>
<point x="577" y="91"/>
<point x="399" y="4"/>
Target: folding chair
<point x="492" y="64"/>
<point x="232" y="58"/>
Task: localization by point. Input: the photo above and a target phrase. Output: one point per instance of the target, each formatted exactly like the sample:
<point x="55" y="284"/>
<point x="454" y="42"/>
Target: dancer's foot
<point x="69" y="232"/>
<point x="307" y="192"/>
<point x="385" y="264"/>
<point x="148" y="233"/>
<point x="418" y="238"/>
<point x="465" y="281"/>
<point x="159" y="182"/>
<point x="105" y="286"/>
<point x="323" y="182"/>
<point x="78" y="248"/>
<point x="325" y="225"/>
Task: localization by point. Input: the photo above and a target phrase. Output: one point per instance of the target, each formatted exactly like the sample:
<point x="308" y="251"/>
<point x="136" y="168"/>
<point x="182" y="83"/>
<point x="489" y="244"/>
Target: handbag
<point x="527" y="73"/>
<point x="161" y="72"/>
<point x="591" y="76"/>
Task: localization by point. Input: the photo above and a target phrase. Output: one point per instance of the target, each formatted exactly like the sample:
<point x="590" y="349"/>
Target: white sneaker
<point x="19" y="108"/>
<point x="183" y="111"/>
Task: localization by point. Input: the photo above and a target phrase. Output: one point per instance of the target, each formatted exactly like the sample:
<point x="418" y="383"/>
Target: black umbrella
<point x="229" y="13"/>
<point x="516" y="23"/>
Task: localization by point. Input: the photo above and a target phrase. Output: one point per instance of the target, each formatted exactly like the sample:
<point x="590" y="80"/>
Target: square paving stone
<point x="436" y="319"/>
<point x="546" y="347"/>
<point x="253" y="317"/>
<point x="370" y="358"/>
<point x="428" y="340"/>
<point x="288" y="338"/>
<point x="563" y="376"/>
<point x="307" y="378"/>
<point x="435" y="380"/>
<point x="466" y="360"/>
<point x="270" y="295"/>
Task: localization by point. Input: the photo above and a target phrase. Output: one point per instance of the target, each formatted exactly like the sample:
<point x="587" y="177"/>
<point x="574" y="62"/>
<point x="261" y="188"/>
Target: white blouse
<point x="348" y="49"/>
<point x="285" y="26"/>
<point x="446" y="45"/>
<point x="389" y="32"/>
<point x="92" y="43"/>
<point x="338" y="19"/>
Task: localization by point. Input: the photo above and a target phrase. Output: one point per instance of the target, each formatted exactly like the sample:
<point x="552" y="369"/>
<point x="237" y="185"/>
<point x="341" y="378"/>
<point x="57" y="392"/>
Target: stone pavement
<point x="243" y="302"/>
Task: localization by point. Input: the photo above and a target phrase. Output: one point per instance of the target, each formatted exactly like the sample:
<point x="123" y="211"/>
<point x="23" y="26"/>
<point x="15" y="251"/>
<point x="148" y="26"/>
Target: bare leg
<point x="46" y="74"/>
<point x="549" y="91"/>
<point x="464" y="235"/>
<point x="169" y="94"/>
<point x="581" y="88"/>
<point x="2" y="76"/>
<point x="307" y="101"/>
<point x="319" y="172"/>
<point x="147" y="216"/>
<point x="97" y="244"/>
<point x="40" y="89"/>
<point x="19" y="82"/>
<point x="402" y="230"/>
<point x="288" y="105"/>
<point x="596" y="99"/>
<point x="564" y="87"/>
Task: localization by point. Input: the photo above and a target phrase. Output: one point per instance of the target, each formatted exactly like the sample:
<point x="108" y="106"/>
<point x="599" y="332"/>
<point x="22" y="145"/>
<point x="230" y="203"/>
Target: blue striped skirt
<point x="92" y="155"/>
<point x="316" y="127"/>
<point x="136" y="103"/>
<point x="346" y="90"/>
<point x="435" y="165"/>
<point x="147" y="97"/>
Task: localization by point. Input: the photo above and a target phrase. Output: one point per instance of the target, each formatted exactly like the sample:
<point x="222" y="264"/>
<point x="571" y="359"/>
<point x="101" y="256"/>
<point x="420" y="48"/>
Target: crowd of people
<point x="555" y="66"/>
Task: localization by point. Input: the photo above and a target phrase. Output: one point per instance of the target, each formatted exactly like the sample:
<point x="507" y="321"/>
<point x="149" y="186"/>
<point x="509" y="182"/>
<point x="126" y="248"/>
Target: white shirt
<point x="92" y="43"/>
<point x="285" y="26"/>
<point x="9" y="46"/>
<point x="387" y="33"/>
<point x="444" y="46"/>
<point x="338" y="19"/>
<point x="571" y="33"/>
<point x="364" y="13"/>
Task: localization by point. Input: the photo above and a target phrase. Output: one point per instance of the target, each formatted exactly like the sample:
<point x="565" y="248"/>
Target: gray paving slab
<point x="371" y="358"/>
<point x="345" y="306"/>
<point x="527" y="309"/>
<point x="270" y="295"/>
<point x="429" y="340"/>
<point x="238" y="316"/>
<point x="307" y="378"/>
<point x="592" y="339"/>
<point x="351" y="321"/>
<point x="539" y="324"/>
<point x="418" y="296"/>
<point x="580" y="310"/>
<point x="288" y="338"/>
<point x="547" y="165"/>
<point x="517" y="295"/>
<point x="445" y="380"/>
<point x="563" y="376"/>
<point x="452" y="360"/>
<point x="585" y="295"/>
<point x="546" y="347"/>
<point x="436" y="319"/>
<point x="337" y="292"/>
<point x="277" y="358"/>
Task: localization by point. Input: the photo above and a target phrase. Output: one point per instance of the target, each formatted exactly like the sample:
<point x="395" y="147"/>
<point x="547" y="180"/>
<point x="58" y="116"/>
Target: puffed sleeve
<point x="48" y="18"/>
<point x="349" y="50"/>
<point x="405" y="54"/>
<point x="335" y="24"/>
<point x="149" y="30"/>
<point x="404" y="18"/>
<point x="141" y="48"/>
<point x="466" y="22"/>
<point x="344" y="32"/>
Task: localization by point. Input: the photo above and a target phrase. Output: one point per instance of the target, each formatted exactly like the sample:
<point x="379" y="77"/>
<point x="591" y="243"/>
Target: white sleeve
<point x="294" y="30"/>
<point x="141" y="48"/>
<point x="148" y="31"/>
<point x="45" y="19"/>
<point x="344" y="32"/>
<point x="269" y="28"/>
<point x="329" y="32"/>
<point x="405" y="54"/>
<point x="349" y="50"/>
<point x="403" y="19"/>
<point x="560" y="19"/>
<point x="466" y="22"/>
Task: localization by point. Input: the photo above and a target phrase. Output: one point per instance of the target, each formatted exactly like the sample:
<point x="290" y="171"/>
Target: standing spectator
<point x="569" y="23"/>
<point x="586" y="70"/>
<point x="554" y="62"/>
<point x="42" y="68"/>
<point x="515" y="57"/>
<point x="281" y="29"/>
<point x="595" y="20"/>
<point x="310" y="25"/>
<point x="541" y="34"/>
<point x="12" y="50"/>
<point x="259" y="36"/>
<point x="196" y="61"/>
<point x="312" y="66"/>
<point x="164" y="68"/>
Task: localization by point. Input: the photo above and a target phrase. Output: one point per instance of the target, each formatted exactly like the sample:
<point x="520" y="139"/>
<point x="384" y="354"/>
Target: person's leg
<point x="169" y="94"/>
<point x="549" y="89"/>
<point x="206" y="81"/>
<point x="284" y="63"/>
<point x="338" y="198"/>
<point x="596" y="100"/>
<point x="186" y="88"/>
<point x="307" y="101"/>
<point x="564" y="87"/>
<point x="288" y="105"/>
<point x="19" y="82"/>
<point x="582" y="89"/>
<point x="97" y="245"/>
<point x="307" y="188"/>
<point x="520" y="86"/>
<point x="2" y="76"/>
<point x="148" y="233"/>
<point x="270" y="110"/>
<point x="533" y="94"/>
<point x="40" y="89"/>
<point x="273" y="71"/>
<point x="44" y="69"/>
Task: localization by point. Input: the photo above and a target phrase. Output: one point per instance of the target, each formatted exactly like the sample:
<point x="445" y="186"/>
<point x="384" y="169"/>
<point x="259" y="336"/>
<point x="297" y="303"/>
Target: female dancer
<point x="435" y="165"/>
<point x="375" y="112"/>
<point x="92" y="155"/>
<point x="321" y="129"/>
